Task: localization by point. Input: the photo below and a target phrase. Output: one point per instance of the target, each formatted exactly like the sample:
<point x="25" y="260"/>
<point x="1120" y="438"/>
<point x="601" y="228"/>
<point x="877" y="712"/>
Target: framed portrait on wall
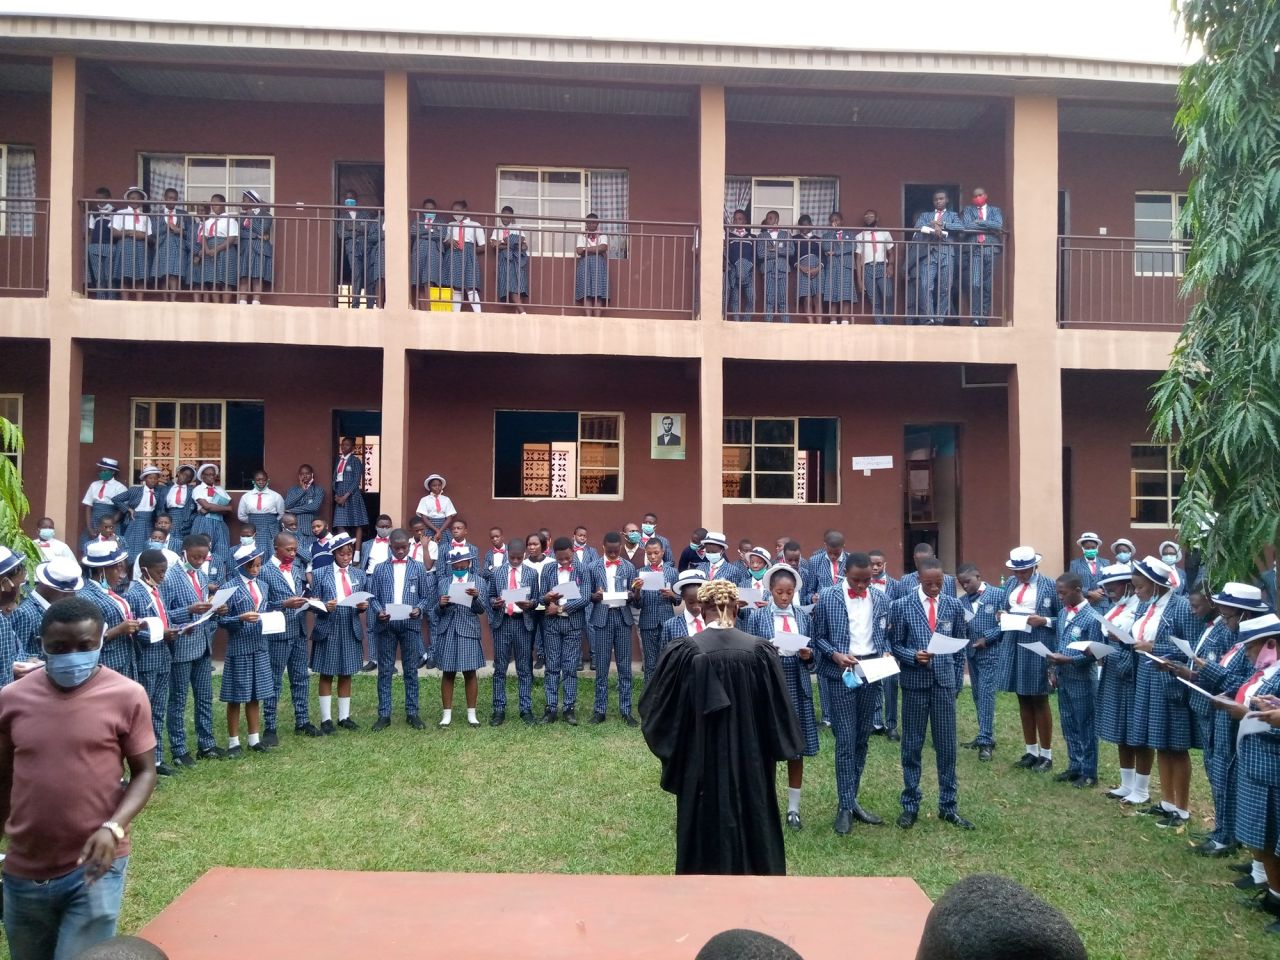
<point x="666" y="433"/>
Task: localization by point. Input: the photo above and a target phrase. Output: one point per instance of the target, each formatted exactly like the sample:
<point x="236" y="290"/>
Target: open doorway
<point x="932" y="500"/>
<point x="365" y="428"/>
<point x="917" y="198"/>
<point x="367" y="179"/>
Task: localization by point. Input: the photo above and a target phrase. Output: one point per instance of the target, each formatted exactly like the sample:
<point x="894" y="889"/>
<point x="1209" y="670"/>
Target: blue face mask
<point x="460" y="574"/>
<point x="45" y="533"/>
<point x="69" y="670"/>
<point x="247" y="541"/>
<point x="633" y="537"/>
<point x="1123" y="556"/>
<point x="850" y="678"/>
<point x="713" y="555"/>
<point x="758" y="574"/>
<point x="648" y="529"/>
<point x="350" y="202"/>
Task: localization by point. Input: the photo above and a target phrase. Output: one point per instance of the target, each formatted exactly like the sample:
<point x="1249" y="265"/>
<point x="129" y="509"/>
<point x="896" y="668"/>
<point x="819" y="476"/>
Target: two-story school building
<point x="1024" y="420"/>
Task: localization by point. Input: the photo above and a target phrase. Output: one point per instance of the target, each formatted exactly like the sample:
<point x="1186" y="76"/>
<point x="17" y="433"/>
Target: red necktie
<point x="102" y="491"/>
<point x="195" y="584"/>
<point x="1141" y="632"/>
<point x="511" y="607"/>
<point x="697" y="624"/>
<point x="259" y="507"/>
<point x="414" y="549"/>
<point x="151" y="497"/>
<point x="210" y="492"/>
<point x="342" y="467"/>
<point x="346" y="583"/>
<point x="1244" y="687"/>
<point x="933" y="614"/>
<point x="835" y="571"/>
<point x="164" y="617"/>
<point x="1022" y="594"/>
<point x="253" y="592"/>
<point x="439" y="512"/>
<point x="1093" y="564"/>
<point x="786" y="624"/>
<point x="181" y="487"/>
<point x="121" y="603"/>
<point x="1115" y="612"/>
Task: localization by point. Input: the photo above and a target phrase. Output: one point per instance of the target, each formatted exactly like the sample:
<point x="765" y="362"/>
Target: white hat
<point x="148" y="471"/>
<point x="61" y="574"/>
<point x="762" y="553"/>
<point x="1241" y="596"/>
<point x="1115" y="572"/>
<point x="206" y="466"/>
<point x="1123" y="542"/>
<point x="426" y="484"/>
<point x="1172" y="544"/>
<point x="1022" y="558"/>
<point x="1259" y="627"/>
<point x="246" y="554"/>
<point x="459" y="555"/>
<point x="1155" y="570"/>
<point x="689" y="578"/>
<point x="8" y="560"/>
<point x="101" y="553"/>
<point x="714" y="536"/>
<point x="1087" y="536"/>
<point x="781" y="568"/>
<point x="109" y="463"/>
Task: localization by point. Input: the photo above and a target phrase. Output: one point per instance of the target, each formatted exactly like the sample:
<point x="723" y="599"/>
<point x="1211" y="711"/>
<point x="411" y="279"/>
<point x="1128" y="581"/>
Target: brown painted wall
<point x="1102" y="414"/>
<point x="874" y="403"/>
<point x="26" y="371"/>
<point x="24" y="122"/>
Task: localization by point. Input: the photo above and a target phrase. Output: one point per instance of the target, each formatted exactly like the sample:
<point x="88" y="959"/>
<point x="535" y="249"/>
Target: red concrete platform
<point x="318" y="915"/>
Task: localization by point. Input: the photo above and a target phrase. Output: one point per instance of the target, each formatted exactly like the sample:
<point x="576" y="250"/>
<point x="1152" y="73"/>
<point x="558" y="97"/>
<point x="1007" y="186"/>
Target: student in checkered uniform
<point x="402" y="581"/>
<point x="911" y="581"/>
<point x="154" y="653"/>
<point x="655" y="607"/>
<point x="928" y="689"/>
<point x="690" y="621"/>
<point x="982" y="603"/>
<point x="562" y="629"/>
<point x="108" y="566"/>
<point x="305" y="498"/>
<point x="138" y="505"/>
<point x="455" y="632"/>
<point x="13" y="572"/>
<point x="178" y="504"/>
<point x="716" y="566"/>
<point x="886" y="718"/>
<point x="1215" y="638"/>
<point x="337" y="638"/>
<point x="246" y="671"/>
<point x="1072" y="674"/>
<point x="612" y="624"/>
<point x="1161" y="717"/>
<point x="1031" y="594"/>
<point x="850" y="624"/>
<point x="825" y="568"/>
<point x="349" y="510"/>
<point x="1088" y="567"/>
<point x="186" y="592"/>
<point x="1117" y="675"/>
<point x="284" y="576"/>
<point x="511" y="623"/>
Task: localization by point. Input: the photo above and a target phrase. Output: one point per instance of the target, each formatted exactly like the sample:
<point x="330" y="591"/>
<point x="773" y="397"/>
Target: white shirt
<point x="397" y="581"/>
<point x="874" y="245"/>
<point x="1121" y="614"/>
<point x="689" y="625"/>
<point x="103" y="491"/>
<point x="53" y="548"/>
<point x="288" y="574"/>
<point x="779" y="627"/>
<point x="860" y="610"/>
<point x="470" y="231"/>
<point x="497" y="557"/>
<point x="503" y="234"/>
<point x="201" y="493"/>
<point x="171" y="497"/>
<point x="223" y="226"/>
<point x="175" y="561"/>
<point x="582" y="242"/>
<point x="432" y="550"/>
<point x="376" y="553"/>
<point x="272" y="502"/>
<point x="129" y="218"/>
<point x="1146" y="626"/>
<point x="147" y="504"/>
<point x="427" y="507"/>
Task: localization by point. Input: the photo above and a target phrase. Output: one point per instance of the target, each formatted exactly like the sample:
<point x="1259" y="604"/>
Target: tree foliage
<point x="13" y="502"/>
<point x="1219" y="401"/>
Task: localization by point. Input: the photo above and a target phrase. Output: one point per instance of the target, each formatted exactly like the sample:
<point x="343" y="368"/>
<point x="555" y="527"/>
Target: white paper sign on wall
<point x="867" y="464"/>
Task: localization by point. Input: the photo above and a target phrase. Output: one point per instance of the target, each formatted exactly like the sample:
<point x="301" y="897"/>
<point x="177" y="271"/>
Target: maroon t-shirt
<point x="69" y="748"/>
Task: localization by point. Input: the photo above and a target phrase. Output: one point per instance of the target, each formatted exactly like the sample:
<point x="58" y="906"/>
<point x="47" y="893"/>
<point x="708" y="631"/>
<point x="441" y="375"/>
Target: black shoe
<point x="1248" y="883"/>
<point x="893" y="736"/>
<point x="984" y="752"/>
<point x="381" y="723"/>
<point x="473" y="724"/>
<point x="1027" y="761"/>
<point x="864" y="816"/>
<point x="793" y="820"/>
<point x="1172" y="820"/>
<point x="549" y="716"/>
<point x="1208" y="849"/>
<point x="348" y="724"/>
<point x="369" y="667"/>
<point x="844" y="822"/>
<point x="307" y="729"/>
<point x="570" y="717"/>
<point x="527" y="717"/>
<point x="185" y="760"/>
<point x="540" y="664"/>
<point x="498" y="718"/>
<point x="1155" y="810"/>
<point x="907" y="820"/>
<point x="1246" y="867"/>
<point x="878" y="731"/>
<point x="164" y="770"/>
<point x="1086" y="783"/>
<point x="234" y="753"/>
<point x="1272" y="927"/>
<point x="1067" y="776"/>
<point x="328" y="728"/>
<point x="270" y="738"/>
<point x="971" y="744"/>
<point x="596" y="717"/>
<point x="260" y="747"/>
<point x="1043" y="765"/>
<point x="212" y="753"/>
<point x="414" y="721"/>
<point x="1268" y="903"/>
<point x="955" y="819"/>
<point x="629" y="720"/>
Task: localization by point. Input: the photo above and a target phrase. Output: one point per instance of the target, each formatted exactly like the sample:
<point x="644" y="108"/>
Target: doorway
<point x="931" y="509"/>
<point x="917" y="198"/>
<point x="365" y="428"/>
<point x="367" y="179"/>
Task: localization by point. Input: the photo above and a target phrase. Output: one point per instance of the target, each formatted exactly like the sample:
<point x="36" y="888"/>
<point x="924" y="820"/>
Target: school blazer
<point x="626" y="573"/>
<point x="454" y="617"/>
<point x="500" y="580"/>
<point x="382" y="584"/>
<point x="177" y="594"/>
<point x="280" y="587"/>
<point x="975" y="226"/>
<point x="831" y="628"/>
<point x="909" y="632"/>
<point x="760" y="624"/>
<point x="728" y="571"/>
<point x="653" y="608"/>
<point x="985" y="624"/>
<point x="574" y="610"/>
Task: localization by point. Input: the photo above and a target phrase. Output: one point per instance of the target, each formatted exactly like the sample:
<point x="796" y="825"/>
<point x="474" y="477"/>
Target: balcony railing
<point x="24" y="247"/>
<point x="1121" y="283"/>
<point x="873" y="275"/>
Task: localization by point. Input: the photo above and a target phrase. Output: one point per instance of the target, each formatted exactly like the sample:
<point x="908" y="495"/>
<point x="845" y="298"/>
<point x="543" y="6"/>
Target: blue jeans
<point x="59" y="919"/>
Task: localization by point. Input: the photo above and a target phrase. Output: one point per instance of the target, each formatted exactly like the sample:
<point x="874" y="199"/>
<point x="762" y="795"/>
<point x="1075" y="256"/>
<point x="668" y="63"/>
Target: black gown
<point x="718" y="716"/>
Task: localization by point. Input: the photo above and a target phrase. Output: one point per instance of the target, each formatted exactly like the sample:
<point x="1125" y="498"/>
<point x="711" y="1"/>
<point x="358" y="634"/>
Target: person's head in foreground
<point x="722" y="597"/>
<point x="746" y="945"/>
<point x="995" y="918"/>
<point x="123" y="948"/>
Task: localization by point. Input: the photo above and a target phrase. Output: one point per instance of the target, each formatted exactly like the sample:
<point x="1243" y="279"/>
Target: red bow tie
<point x="457" y="543"/>
<point x="567" y="567"/>
<point x="612" y="563"/>
<point x="400" y="561"/>
<point x="381" y="539"/>
<point x="857" y="594"/>
<point x="881" y="582"/>
<point x="286" y="565"/>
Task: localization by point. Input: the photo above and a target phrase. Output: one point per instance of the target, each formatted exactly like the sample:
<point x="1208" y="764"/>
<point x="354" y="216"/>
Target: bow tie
<point x="881" y="582"/>
<point x="566" y="567"/>
<point x="457" y="543"/>
<point x="400" y="561"/>
<point x="286" y="565"/>
<point x="857" y="594"/>
<point x="381" y="539"/>
<point x="612" y="563"/>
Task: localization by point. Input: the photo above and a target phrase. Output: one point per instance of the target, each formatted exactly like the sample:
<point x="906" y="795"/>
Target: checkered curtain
<point x="818" y="197"/>
<point x="737" y="196"/>
<point x="164" y="173"/>
<point x="610" y="193"/>
<point x="20" y="191"/>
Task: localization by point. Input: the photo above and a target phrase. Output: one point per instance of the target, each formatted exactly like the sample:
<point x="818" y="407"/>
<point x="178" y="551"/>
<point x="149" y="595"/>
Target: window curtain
<point x="609" y="199"/>
<point x="20" y="191"/>
<point x="819" y="196"/>
<point x="164" y="173"/>
<point x="737" y="196"/>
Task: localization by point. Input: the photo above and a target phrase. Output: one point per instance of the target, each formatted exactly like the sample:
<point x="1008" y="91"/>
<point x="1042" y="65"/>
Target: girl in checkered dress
<point x="246" y="670"/>
<point x="455" y="635"/>
<point x="212" y="505"/>
<point x="140" y="504"/>
<point x="512" y="248"/>
<point x="337" y="645"/>
<point x="1117" y="674"/>
<point x="131" y="228"/>
<point x="591" y="275"/>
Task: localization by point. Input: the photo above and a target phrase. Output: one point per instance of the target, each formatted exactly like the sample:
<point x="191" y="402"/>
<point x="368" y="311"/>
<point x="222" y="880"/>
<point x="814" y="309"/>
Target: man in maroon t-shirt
<point x="66" y="732"/>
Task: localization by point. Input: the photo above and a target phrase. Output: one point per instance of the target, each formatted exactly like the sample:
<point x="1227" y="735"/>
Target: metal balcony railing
<point x="1121" y="283"/>
<point x="24" y="247"/>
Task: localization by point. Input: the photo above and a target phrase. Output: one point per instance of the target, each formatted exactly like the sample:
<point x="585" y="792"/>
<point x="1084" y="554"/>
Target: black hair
<point x="833" y="538"/>
<point x="928" y="563"/>
<point x="383" y="516"/>
<point x="744" y="542"/>
<point x="562" y="543"/>
<point x="71" y="610"/>
<point x="877" y="552"/>
<point x="922" y="549"/>
<point x="791" y="545"/>
<point x="612" y="537"/>
<point x="219" y="197"/>
<point x="461" y="204"/>
<point x="428" y="200"/>
<point x="194" y="540"/>
<point x="1071" y="580"/>
<point x="458" y="519"/>
<point x="149" y="558"/>
<point x="966" y="568"/>
<point x="700" y="534"/>
<point x="542" y="541"/>
<point x="306" y="466"/>
<point x="745" y="945"/>
<point x="994" y="918"/>
<point x="805" y="220"/>
<point x="517" y="545"/>
<point x="654" y="541"/>
<point x="650" y="513"/>
<point x="507" y="210"/>
<point x="102" y="192"/>
<point x="399" y="533"/>
<point x="857" y="560"/>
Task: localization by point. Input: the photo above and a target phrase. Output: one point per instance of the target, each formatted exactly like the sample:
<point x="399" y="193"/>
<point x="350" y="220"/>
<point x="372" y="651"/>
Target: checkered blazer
<point x="499" y="580"/>
<point x="178" y="595"/>
<point x="729" y="570"/>
<point x="654" y="608"/>
<point x="831" y="627"/>
<point x="909" y="632"/>
<point x="1259" y="754"/>
<point x="417" y="591"/>
<point x="596" y="580"/>
<point x="574" y="609"/>
<point x="280" y="587"/>
<point x="985" y="624"/>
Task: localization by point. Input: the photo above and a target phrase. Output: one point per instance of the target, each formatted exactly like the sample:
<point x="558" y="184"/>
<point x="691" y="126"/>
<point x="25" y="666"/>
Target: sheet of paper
<point x="1022" y="608"/>
<point x="1099" y="650"/>
<point x="315" y="603"/>
<point x="222" y="596"/>
<point x="1183" y="646"/>
<point x="568" y="591"/>
<point x="789" y="644"/>
<point x="1224" y="701"/>
<point x="1152" y="656"/>
<point x="878" y="668"/>
<point x="652" y="580"/>
<point x="1014" y="623"/>
<point x="355" y="599"/>
<point x="807" y="607"/>
<point x="1037" y="648"/>
<point x="614" y="598"/>
<point x="154" y="627"/>
<point x="1119" y="632"/>
<point x="515" y="595"/>
<point x="458" y="592"/>
<point x="942" y="644"/>
<point x="751" y="594"/>
<point x="1251" y="724"/>
<point x="272" y="622"/>
<point x="398" y="611"/>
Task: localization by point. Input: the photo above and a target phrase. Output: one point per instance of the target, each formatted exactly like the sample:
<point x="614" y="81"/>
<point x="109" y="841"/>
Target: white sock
<point x="1141" y="783"/>
<point x="253" y="739"/>
<point x="1183" y="814"/>
<point x="457" y="300"/>
<point x="446" y="717"/>
<point x="1033" y="749"/>
<point x="1046" y="752"/>
<point x="1259" y="872"/>
<point x="793" y="799"/>
<point x="471" y="715"/>
<point x="1126" y="784"/>
<point x="344" y="708"/>
<point x="326" y="708"/>
<point x="257" y="302"/>
<point x="233" y="742"/>
<point x="474" y="297"/>
<point x="242" y="300"/>
<point x="1167" y="807"/>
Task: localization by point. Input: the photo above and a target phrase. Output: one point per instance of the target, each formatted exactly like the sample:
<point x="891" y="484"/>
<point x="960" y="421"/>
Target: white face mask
<point x="247" y="541"/>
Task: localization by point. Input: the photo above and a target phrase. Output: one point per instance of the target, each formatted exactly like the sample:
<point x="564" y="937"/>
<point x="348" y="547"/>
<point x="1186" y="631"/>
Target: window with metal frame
<point x="1160" y="243"/>
<point x="570" y="193"/>
<point x="17" y="190"/>
<point x="1154" y="482"/>
<point x="780" y="460"/>
<point x="197" y="177"/>
<point x="792" y="197"/>
<point x="169" y="432"/>
<point x="557" y="455"/>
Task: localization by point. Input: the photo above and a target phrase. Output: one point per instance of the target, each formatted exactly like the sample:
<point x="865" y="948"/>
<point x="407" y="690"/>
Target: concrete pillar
<point x="395" y="136"/>
<point x="66" y="145"/>
<point x="62" y="476"/>
<point x="395" y="429"/>
<point x="1035" y="385"/>
<point x="711" y="140"/>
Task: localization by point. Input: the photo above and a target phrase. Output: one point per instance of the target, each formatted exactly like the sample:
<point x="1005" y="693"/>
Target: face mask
<point x="1170" y="558"/>
<point x="648" y="529"/>
<point x="293" y="531"/>
<point x="1123" y="556"/>
<point x="714" y="555"/>
<point x="259" y="484"/>
<point x="757" y="574"/>
<point x="460" y="574"/>
<point x="979" y="200"/>
<point x="429" y="217"/>
<point x="105" y="207"/>
<point x="247" y="541"/>
<point x="633" y="536"/>
<point x="71" y="669"/>
<point x="45" y="533"/>
<point x="349" y="202"/>
<point x="696" y="547"/>
<point x="1091" y="554"/>
<point x="159" y="544"/>
<point x="105" y="474"/>
<point x="851" y="679"/>
<point x="384" y="531"/>
<point x="1266" y="656"/>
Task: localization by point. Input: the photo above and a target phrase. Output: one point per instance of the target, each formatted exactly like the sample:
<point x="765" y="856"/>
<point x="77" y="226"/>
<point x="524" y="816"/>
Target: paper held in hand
<point x="272" y="622"/>
<point x="942" y="644"/>
<point x="218" y="599"/>
<point x="1152" y="656"/>
<point x="1216" y="698"/>
<point x="751" y="595"/>
<point x="1117" y="631"/>
<point x="789" y="644"/>
<point x="318" y="605"/>
<point x="652" y="580"/>
<point x="568" y="591"/>
<point x="355" y="599"/>
<point x="1099" y="650"/>
<point x="458" y="592"/>
<point x="614" y="598"/>
<point x="398" y="611"/>
<point x="878" y="668"/>
<point x="1251" y="724"/>
<point x="154" y="627"/>
<point x="1184" y="647"/>
<point x="1014" y="623"/>
<point x="1037" y="648"/>
<point x="515" y="595"/>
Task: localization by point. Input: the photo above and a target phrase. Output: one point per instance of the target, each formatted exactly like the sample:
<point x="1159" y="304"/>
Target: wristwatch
<point x="117" y="831"/>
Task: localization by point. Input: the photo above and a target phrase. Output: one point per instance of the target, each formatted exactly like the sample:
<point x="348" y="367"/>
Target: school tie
<point x="381" y="539"/>
<point x="567" y="567"/>
<point x="612" y="563"/>
<point x="164" y="617"/>
<point x="835" y="571"/>
<point x="1022" y="594"/>
<point x="856" y="594"/>
<point x="181" y="487"/>
<point x="933" y="614"/>
<point x="122" y="603"/>
<point x="1141" y="632"/>
<point x="882" y="582"/>
<point x="151" y="497"/>
<point x="697" y="624"/>
<point x="511" y="577"/>
<point x="102" y="491"/>
<point x="253" y="592"/>
<point x="786" y="624"/>
<point x="286" y="566"/>
<point x="982" y="238"/>
<point x="342" y="466"/>
<point x="259" y="507"/>
<point x="439" y="512"/>
<point x="1243" y="692"/>
<point x="414" y="549"/>
<point x="1115" y="612"/>
<point x="210" y="492"/>
<point x="195" y="584"/>
<point x="1093" y="564"/>
<point x="457" y="543"/>
<point x="346" y="583"/>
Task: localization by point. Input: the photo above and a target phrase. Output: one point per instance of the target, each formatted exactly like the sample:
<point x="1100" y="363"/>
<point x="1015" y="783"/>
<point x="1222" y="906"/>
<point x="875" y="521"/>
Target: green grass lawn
<point x="586" y="800"/>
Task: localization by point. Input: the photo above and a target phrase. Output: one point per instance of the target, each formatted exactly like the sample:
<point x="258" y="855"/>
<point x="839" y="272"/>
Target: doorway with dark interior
<point x="931" y="500"/>
<point x="367" y="180"/>
<point x="364" y="427"/>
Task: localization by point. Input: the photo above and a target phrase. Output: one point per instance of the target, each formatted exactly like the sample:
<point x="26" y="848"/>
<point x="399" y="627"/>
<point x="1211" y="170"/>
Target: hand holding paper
<point x="1037" y="648"/>
<point x="458" y="593"/>
<point x="614" y="598"/>
<point x="789" y="644"/>
<point x="1014" y="623"/>
<point x="568" y="591"/>
<point x="878" y="668"/>
<point x="515" y="595"/>
<point x="398" y="611"/>
<point x="942" y="644"/>
<point x="272" y="622"/>
<point x="652" y="580"/>
<point x="1099" y="650"/>
<point x="355" y="599"/>
<point x="1184" y="647"/>
<point x="1119" y="632"/>
<point x="155" y="627"/>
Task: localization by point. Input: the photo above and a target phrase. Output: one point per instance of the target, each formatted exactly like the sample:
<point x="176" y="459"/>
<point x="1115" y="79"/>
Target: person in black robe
<point x="718" y="716"/>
